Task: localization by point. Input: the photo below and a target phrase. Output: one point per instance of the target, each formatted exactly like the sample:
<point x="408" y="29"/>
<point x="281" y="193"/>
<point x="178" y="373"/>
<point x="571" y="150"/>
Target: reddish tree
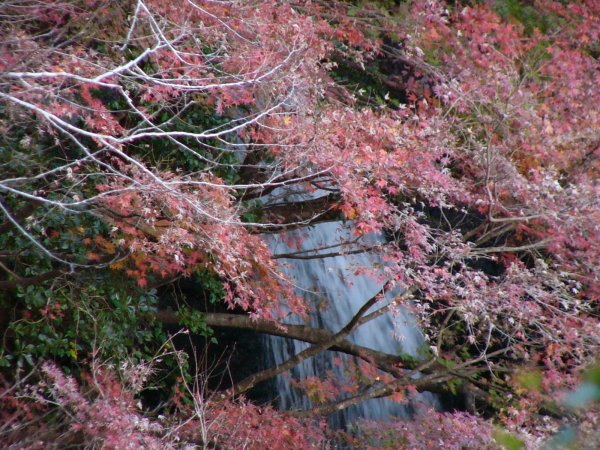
<point x="481" y="164"/>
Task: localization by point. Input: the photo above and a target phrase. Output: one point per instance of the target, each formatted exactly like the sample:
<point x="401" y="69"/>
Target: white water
<point x="336" y="293"/>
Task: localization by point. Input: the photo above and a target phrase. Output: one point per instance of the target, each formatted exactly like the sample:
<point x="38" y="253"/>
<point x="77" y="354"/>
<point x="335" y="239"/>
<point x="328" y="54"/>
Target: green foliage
<point x="253" y="212"/>
<point x="194" y="320"/>
<point x="526" y="14"/>
<point x="71" y="321"/>
<point x="165" y="155"/>
<point x="507" y="440"/>
<point x="212" y="286"/>
<point x="69" y="318"/>
<point x="530" y="380"/>
<point x="446" y="362"/>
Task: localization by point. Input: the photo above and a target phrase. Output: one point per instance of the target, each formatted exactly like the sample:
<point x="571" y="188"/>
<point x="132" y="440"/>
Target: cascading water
<point x="336" y="292"/>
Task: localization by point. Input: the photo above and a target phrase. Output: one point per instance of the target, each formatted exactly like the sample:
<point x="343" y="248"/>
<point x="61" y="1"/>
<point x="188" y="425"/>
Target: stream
<point x="336" y="292"/>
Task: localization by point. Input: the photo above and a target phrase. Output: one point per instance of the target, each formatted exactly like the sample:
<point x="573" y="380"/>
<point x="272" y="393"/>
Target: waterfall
<point x="335" y="292"/>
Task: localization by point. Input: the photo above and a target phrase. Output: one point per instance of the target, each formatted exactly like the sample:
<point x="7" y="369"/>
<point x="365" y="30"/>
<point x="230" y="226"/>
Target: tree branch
<point x="11" y="285"/>
<point x="322" y="339"/>
<point x="252" y="380"/>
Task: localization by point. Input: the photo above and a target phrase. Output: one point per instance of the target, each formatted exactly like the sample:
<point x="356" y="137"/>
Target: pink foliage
<point x="499" y="128"/>
<point x="104" y="412"/>
<point x="429" y="430"/>
<point x="238" y="425"/>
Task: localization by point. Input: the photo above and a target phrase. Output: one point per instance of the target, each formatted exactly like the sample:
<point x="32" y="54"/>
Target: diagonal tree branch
<point x="322" y="339"/>
<point x="252" y="380"/>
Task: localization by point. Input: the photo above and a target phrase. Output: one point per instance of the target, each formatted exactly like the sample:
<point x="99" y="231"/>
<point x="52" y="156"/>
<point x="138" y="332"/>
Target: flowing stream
<point x="336" y="291"/>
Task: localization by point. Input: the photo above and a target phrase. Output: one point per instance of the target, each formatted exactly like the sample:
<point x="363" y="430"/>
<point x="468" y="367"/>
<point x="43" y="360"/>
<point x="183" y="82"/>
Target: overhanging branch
<point x="387" y="362"/>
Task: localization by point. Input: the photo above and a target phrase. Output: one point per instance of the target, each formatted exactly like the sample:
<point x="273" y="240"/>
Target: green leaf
<point x="530" y="380"/>
<point x="507" y="440"/>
